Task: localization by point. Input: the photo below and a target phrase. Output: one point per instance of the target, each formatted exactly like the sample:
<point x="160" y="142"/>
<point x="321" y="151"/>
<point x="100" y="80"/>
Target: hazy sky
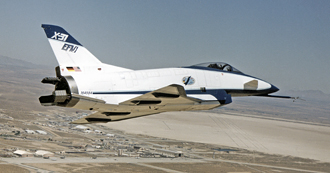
<point x="286" y="43"/>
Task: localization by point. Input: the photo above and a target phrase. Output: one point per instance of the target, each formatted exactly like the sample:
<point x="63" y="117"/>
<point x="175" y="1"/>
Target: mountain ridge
<point x="8" y="62"/>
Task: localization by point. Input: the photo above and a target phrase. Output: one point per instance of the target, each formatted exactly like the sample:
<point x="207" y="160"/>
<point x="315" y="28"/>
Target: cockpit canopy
<point x="219" y="65"/>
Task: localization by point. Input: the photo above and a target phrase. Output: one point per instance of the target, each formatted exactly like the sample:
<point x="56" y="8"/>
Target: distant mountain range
<point x="7" y="62"/>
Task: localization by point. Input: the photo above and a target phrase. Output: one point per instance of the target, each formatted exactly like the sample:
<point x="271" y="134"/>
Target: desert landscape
<point x="250" y="135"/>
<point x="273" y="136"/>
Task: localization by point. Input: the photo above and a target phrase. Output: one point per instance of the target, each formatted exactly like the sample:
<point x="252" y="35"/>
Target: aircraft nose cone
<point x="273" y="89"/>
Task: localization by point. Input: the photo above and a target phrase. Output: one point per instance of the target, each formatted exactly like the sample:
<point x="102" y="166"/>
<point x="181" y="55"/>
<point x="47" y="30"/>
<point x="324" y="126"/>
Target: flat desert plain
<point x="273" y="136"/>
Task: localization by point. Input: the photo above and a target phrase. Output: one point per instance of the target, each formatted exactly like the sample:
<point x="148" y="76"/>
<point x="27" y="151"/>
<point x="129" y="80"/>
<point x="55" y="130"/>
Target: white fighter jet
<point x="116" y="93"/>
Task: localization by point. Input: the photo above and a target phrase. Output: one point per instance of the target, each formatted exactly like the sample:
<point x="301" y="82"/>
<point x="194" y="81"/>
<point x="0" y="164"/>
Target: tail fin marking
<point x="70" y="53"/>
<point x="58" y="33"/>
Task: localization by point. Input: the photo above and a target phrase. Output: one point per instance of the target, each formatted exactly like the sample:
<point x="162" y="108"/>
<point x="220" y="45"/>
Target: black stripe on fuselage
<point x="214" y="92"/>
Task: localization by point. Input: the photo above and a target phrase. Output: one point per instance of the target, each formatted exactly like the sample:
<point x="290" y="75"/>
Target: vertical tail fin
<point x="68" y="51"/>
<point x="70" y="54"/>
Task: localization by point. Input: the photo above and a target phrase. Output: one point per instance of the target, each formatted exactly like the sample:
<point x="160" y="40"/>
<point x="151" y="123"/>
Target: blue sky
<point x="283" y="42"/>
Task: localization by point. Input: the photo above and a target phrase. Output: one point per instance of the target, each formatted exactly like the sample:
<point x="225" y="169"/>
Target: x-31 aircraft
<point x="116" y="93"/>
